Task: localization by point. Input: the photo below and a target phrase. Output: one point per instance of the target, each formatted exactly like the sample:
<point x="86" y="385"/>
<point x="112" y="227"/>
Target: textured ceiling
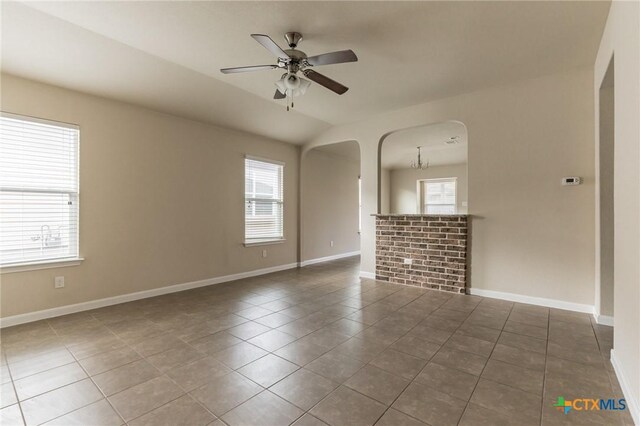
<point x="167" y="55"/>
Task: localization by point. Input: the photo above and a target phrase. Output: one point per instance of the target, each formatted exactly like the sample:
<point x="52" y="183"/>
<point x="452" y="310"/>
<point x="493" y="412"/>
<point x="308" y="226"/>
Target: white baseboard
<point x="329" y="258"/>
<point x="630" y="398"/>
<point x="369" y="275"/>
<point x="603" y="319"/>
<point x="540" y="301"/>
<point x="108" y="301"/>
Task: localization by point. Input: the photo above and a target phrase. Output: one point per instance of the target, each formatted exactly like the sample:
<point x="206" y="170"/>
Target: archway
<point x="330" y="210"/>
<point x="403" y="185"/>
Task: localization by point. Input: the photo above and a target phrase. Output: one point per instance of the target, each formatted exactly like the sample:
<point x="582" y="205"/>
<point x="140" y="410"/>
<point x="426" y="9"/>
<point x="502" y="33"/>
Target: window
<point x="38" y="190"/>
<point x="438" y="196"/>
<point x="264" y="208"/>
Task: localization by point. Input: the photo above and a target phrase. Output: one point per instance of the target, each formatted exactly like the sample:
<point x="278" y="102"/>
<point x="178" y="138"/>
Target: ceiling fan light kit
<point x="293" y="61"/>
<point x="291" y="86"/>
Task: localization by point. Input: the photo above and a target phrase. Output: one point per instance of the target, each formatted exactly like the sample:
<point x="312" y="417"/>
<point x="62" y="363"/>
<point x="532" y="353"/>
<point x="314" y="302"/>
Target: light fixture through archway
<point x="418" y="164"/>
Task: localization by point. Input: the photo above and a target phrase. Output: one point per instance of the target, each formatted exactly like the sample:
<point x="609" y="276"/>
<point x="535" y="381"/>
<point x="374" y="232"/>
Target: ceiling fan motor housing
<point x="296" y="60"/>
<point x="293" y="38"/>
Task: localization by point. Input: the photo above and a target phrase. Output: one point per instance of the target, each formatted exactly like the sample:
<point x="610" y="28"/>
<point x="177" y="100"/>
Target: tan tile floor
<point x="312" y="346"/>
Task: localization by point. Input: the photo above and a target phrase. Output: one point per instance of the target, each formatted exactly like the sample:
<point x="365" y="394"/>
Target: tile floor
<point x="312" y="346"/>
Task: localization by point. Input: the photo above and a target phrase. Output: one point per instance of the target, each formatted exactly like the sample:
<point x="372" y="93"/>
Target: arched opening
<point x="423" y="170"/>
<point x="330" y="202"/>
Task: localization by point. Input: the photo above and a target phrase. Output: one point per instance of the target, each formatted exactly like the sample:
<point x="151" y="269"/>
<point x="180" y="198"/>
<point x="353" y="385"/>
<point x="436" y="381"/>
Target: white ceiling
<point x="167" y="55"/>
<point x="38" y="46"/>
<point x="400" y="148"/>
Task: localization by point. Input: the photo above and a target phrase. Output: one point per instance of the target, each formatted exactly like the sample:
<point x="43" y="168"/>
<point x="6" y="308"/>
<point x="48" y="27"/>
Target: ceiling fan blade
<point x="270" y="45"/>
<point x="333" y="58"/>
<point x="278" y="95"/>
<point x="325" y="81"/>
<point x="247" y="69"/>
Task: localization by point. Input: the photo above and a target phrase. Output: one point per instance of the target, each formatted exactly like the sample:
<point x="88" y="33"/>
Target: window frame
<point x="421" y="188"/>
<point x="74" y="197"/>
<point x="262" y="241"/>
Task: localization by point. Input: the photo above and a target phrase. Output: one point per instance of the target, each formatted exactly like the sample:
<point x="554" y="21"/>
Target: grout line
<point x="488" y="358"/>
<point x="88" y="376"/>
<point x="388" y="407"/>
<point x="364" y="364"/>
<point x="15" y="392"/>
<point x="544" y="376"/>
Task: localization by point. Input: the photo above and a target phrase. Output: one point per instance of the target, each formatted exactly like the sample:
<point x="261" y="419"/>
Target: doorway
<point x="331" y="204"/>
<point x="606" y="198"/>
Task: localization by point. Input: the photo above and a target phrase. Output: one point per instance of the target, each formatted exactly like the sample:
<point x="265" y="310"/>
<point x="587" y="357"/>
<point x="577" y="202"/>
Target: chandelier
<point x="419" y="164"/>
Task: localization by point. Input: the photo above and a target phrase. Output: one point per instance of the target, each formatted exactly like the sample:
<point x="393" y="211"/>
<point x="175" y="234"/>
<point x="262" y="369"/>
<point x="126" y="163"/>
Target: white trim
<point x="264" y="160"/>
<point x="540" y="301"/>
<point x="108" y="301"/>
<point x="264" y="242"/>
<point x="369" y="275"/>
<point x="45" y="121"/>
<point x="43" y="264"/>
<point x="603" y="319"/>
<point x="329" y="258"/>
<point x="630" y="398"/>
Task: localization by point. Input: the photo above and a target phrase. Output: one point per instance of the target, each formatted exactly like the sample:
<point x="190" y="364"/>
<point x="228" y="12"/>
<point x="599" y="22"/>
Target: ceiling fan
<point x="294" y="61"/>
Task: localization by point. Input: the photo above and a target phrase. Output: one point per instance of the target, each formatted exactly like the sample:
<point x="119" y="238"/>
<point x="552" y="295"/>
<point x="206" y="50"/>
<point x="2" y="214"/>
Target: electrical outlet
<point x="408" y="261"/>
<point x="58" y="282"/>
<point x="331" y="243"/>
<point x="264" y="253"/>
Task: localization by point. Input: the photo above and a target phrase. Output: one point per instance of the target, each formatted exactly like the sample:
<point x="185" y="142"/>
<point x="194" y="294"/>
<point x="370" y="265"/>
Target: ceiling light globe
<point x="292" y="81"/>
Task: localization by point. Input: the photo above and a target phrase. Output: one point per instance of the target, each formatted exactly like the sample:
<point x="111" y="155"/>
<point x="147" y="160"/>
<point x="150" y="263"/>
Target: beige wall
<point x="385" y="191"/>
<point x="403" y="188"/>
<point x="621" y="41"/>
<point x="531" y="236"/>
<point x="161" y="200"/>
<point x="329" y="204"/>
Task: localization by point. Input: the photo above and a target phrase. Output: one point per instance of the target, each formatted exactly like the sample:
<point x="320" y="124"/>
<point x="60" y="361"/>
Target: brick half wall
<point x="436" y="245"/>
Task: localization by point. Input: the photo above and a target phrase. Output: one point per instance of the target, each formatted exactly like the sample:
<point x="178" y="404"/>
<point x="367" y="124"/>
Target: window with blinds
<point x="439" y="196"/>
<point x="263" y="196"/>
<point x="38" y="190"/>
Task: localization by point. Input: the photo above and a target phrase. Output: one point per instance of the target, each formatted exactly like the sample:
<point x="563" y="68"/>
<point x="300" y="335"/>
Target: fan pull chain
<point x="289" y="97"/>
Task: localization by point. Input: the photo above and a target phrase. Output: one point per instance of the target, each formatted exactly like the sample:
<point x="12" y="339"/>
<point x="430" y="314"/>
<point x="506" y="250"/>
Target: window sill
<point x="46" y="264"/>
<point x="264" y="242"/>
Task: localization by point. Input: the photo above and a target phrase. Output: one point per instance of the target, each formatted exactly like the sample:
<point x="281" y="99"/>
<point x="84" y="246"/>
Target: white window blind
<point x="439" y="196"/>
<point x="38" y="190"/>
<point x="263" y="193"/>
